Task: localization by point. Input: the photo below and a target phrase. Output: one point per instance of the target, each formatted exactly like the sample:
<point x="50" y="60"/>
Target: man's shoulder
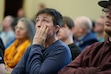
<point x="93" y="47"/>
<point x="96" y="44"/>
<point x="58" y="46"/>
<point x="58" y="43"/>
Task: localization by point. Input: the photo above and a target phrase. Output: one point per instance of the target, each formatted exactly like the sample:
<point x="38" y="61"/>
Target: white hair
<point x="85" y="22"/>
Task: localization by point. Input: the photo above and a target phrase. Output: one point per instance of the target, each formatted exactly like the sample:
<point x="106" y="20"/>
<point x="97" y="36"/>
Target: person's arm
<point x="77" y="66"/>
<point x="20" y="67"/>
<point x="75" y="69"/>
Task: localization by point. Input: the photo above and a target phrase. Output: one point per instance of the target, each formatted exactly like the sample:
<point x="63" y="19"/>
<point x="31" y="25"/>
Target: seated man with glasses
<point x="95" y="59"/>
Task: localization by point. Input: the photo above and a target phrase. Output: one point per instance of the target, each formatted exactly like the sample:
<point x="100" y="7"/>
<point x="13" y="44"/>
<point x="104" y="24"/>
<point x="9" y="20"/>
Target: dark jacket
<point x="38" y="60"/>
<point x="87" y="40"/>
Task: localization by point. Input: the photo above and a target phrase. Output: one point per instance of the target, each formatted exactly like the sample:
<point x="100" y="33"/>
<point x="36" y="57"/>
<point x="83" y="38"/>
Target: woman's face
<point x="45" y="19"/>
<point x="64" y="33"/>
<point x="21" y="31"/>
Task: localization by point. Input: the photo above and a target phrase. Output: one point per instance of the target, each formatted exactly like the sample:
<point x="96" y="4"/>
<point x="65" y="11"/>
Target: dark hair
<point x="68" y="21"/>
<point x="56" y="16"/>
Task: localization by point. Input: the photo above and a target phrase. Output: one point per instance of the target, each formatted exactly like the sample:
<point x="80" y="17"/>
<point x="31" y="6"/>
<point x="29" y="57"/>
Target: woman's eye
<point x="45" y="20"/>
<point x="36" y="21"/>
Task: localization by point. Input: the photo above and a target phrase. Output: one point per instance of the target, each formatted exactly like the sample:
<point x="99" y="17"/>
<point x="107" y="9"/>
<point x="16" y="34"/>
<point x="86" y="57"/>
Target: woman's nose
<point x="39" y="24"/>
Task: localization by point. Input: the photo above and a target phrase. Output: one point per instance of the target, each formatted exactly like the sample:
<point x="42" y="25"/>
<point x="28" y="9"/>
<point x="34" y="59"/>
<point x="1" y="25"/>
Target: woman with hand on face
<point x="24" y="32"/>
<point x="48" y="54"/>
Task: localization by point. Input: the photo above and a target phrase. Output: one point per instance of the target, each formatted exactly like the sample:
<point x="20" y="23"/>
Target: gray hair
<point x="85" y="23"/>
<point x="29" y="26"/>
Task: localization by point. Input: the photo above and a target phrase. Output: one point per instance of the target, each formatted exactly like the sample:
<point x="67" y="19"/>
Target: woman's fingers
<point x="41" y="35"/>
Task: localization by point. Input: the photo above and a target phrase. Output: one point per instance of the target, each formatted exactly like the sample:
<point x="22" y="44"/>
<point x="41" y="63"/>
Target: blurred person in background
<point x="83" y="35"/>
<point x="96" y="58"/>
<point x="66" y="35"/>
<point x="7" y="34"/>
<point x="99" y="28"/>
<point x="39" y="7"/>
<point x="20" y="14"/>
<point x="24" y="32"/>
<point x="47" y="54"/>
<point x="2" y="66"/>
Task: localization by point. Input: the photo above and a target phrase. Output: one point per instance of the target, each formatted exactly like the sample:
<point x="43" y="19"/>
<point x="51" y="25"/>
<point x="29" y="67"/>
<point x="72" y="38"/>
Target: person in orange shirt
<point x="24" y="32"/>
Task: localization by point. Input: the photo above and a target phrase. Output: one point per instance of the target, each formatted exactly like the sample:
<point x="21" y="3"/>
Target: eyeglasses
<point x="106" y="10"/>
<point x="20" y="28"/>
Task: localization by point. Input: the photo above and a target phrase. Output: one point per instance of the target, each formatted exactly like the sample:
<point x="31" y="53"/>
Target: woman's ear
<point x="57" y="27"/>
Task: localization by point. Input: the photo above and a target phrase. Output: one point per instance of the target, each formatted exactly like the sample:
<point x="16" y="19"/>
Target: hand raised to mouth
<point x="40" y="35"/>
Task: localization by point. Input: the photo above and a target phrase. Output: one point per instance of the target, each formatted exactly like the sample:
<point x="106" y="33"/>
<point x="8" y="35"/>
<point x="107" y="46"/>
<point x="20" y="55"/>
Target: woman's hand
<point x="40" y="35"/>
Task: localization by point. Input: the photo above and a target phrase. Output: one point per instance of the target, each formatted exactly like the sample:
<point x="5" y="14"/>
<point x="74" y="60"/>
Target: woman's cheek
<point x="48" y="33"/>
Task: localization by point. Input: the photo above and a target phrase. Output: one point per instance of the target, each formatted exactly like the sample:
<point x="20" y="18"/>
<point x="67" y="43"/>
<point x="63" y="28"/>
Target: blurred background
<point x="14" y="33"/>
<point x="71" y="8"/>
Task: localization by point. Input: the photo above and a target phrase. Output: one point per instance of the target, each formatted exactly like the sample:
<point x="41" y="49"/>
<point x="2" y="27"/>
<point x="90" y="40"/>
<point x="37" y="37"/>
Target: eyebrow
<point x="43" y="17"/>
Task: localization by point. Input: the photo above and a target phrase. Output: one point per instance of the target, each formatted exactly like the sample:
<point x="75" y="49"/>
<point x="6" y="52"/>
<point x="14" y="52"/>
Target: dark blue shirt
<point x="40" y="60"/>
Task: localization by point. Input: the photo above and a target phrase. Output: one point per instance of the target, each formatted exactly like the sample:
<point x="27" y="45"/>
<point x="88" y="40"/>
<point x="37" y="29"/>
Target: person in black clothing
<point x="2" y="66"/>
<point x="66" y="35"/>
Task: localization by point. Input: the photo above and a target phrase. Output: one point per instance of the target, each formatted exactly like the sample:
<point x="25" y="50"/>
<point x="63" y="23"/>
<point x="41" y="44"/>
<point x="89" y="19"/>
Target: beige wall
<point x="72" y="8"/>
<point x="1" y="10"/>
